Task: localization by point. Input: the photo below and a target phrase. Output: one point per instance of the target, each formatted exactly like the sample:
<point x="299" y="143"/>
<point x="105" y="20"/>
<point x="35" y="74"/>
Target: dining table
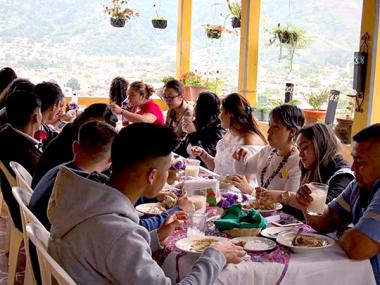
<point x="280" y="265"/>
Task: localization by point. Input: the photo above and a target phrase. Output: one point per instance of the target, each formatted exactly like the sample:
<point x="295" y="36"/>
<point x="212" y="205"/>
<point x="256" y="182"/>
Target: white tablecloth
<point x="328" y="267"/>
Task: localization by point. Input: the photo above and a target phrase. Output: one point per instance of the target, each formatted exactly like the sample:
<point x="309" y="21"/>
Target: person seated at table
<point x="358" y="204"/>
<point x="59" y="149"/>
<point x="52" y="101"/>
<point x="206" y="130"/>
<point x="180" y="111"/>
<point x="320" y="162"/>
<point x="236" y="116"/>
<point x="92" y="152"/>
<point x="277" y="165"/>
<point x="17" y="142"/>
<point x="95" y="234"/>
<point x="19" y="84"/>
<point x="142" y="109"/>
<point x="118" y="90"/>
<point x="7" y="75"/>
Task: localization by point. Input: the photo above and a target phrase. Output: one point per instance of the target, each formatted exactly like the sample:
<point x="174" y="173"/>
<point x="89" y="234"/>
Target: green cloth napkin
<point x="235" y="217"/>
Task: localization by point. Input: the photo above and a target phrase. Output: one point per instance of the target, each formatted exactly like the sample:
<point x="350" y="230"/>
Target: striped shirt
<point x="362" y="208"/>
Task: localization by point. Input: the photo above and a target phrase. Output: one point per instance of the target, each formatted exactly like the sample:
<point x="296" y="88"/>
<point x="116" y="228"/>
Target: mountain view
<point x="72" y="41"/>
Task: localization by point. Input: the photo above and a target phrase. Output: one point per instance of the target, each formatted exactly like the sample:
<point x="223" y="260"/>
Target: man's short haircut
<point x="367" y="134"/>
<point x="95" y="139"/>
<point x="20" y="106"/>
<point x="140" y="141"/>
<point x="49" y="93"/>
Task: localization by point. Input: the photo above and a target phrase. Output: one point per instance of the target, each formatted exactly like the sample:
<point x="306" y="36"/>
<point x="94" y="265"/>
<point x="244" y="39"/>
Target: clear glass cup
<point x="192" y="167"/>
<point x="319" y="195"/>
<point x="197" y="224"/>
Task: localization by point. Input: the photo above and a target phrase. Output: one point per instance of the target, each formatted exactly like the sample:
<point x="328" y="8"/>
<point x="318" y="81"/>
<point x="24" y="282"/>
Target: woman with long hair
<point x="276" y="165"/>
<point x="118" y="90"/>
<point x="205" y="131"/>
<point x="243" y="130"/>
<point x="141" y="107"/>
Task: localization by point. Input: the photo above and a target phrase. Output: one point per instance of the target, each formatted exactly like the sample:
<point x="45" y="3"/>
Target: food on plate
<point x="155" y="209"/>
<point x="241" y="243"/>
<point x="201" y="244"/>
<point x="168" y="202"/>
<point x="310" y="241"/>
<point x="259" y="205"/>
<point x="226" y="180"/>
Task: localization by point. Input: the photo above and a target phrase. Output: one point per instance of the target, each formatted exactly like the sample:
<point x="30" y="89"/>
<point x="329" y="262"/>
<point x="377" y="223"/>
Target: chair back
<point x="11" y="180"/>
<point x="23" y="177"/>
<point x="48" y="266"/>
<point x="23" y="198"/>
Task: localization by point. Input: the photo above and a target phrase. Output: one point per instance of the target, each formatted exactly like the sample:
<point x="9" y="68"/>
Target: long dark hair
<point x="7" y="75"/>
<point x="118" y="90"/>
<point x="241" y="117"/>
<point x="206" y="109"/>
<point x="325" y="146"/>
<point x="19" y="84"/>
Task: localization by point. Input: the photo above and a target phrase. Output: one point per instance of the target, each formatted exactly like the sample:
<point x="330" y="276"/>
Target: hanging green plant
<point x="159" y="22"/>
<point x="120" y="12"/>
<point x="235" y="10"/>
<point x="291" y="38"/>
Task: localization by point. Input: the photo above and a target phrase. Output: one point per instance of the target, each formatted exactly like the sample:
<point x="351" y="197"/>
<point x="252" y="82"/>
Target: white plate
<point x="286" y="240"/>
<point x="256" y="243"/>
<point x="186" y="244"/>
<point x="273" y="232"/>
<point x="149" y="208"/>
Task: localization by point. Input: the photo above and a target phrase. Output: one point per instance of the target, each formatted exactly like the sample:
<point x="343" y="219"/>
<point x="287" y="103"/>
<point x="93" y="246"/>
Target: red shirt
<point x="152" y="108"/>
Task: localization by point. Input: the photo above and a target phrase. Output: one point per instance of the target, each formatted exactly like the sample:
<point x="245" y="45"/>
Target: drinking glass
<point x="319" y="195"/>
<point x="192" y="167"/>
<point x="197" y="224"/>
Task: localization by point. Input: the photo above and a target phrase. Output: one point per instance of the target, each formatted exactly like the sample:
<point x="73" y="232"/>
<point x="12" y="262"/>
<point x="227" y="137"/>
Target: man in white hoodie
<point x="95" y="232"/>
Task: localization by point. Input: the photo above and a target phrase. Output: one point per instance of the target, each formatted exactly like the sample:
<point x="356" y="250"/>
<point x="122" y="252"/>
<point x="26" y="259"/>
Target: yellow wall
<point x="249" y="49"/>
<point x="183" y="36"/>
<point x="371" y="104"/>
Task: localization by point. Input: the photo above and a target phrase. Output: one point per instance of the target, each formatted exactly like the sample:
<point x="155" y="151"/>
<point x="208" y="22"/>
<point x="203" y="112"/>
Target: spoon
<point x="296" y="236"/>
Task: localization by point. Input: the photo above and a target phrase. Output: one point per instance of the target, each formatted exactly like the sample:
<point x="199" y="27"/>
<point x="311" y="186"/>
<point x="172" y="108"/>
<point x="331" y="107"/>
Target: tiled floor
<point x="4" y="258"/>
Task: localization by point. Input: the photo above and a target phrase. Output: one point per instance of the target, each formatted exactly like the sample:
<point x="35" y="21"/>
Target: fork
<point x="295" y="237"/>
<point x="281" y="232"/>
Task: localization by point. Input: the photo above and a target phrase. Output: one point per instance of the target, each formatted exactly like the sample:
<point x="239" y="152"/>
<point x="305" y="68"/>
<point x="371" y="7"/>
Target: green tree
<point x="73" y="83"/>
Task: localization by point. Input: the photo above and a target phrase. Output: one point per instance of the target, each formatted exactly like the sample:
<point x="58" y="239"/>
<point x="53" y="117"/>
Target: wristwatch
<point x="285" y="197"/>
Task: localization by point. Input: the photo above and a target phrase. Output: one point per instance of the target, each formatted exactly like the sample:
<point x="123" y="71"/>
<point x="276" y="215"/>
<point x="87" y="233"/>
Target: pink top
<point x="152" y="108"/>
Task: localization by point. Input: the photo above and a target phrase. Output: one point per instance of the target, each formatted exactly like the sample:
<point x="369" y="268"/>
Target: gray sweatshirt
<point x="97" y="238"/>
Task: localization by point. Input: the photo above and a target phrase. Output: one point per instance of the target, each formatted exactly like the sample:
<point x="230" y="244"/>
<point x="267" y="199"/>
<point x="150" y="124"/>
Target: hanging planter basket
<point x="159" y="23"/>
<point x="235" y="21"/>
<point x="118" y="22"/>
<point x="214" y="34"/>
<point x="286" y="37"/>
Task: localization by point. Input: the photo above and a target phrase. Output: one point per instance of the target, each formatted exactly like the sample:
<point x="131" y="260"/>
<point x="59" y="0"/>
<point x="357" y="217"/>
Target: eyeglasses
<point x="167" y="98"/>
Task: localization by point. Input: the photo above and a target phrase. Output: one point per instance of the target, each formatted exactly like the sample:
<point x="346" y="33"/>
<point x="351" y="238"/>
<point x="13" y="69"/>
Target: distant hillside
<point x="70" y="34"/>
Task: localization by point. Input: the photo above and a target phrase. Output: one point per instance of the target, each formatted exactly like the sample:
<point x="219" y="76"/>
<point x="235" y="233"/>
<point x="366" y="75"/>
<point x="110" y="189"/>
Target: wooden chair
<point x="23" y="199"/>
<point x="49" y="268"/>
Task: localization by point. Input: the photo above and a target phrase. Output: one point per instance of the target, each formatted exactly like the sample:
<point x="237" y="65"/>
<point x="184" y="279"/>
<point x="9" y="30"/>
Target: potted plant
<point x="166" y="79"/>
<point x="316" y="100"/>
<point x="194" y="84"/>
<point x="215" y="31"/>
<point x="288" y="37"/>
<point x="159" y="22"/>
<point x="119" y="12"/>
<point x="343" y="128"/>
<point x="235" y="10"/>
<point x="261" y="112"/>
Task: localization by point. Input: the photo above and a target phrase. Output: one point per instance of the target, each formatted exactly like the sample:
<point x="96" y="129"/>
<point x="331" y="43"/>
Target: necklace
<point x="277" y="171"/>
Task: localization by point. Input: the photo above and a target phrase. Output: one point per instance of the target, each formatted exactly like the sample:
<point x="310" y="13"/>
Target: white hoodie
<point x="96" y="237"/>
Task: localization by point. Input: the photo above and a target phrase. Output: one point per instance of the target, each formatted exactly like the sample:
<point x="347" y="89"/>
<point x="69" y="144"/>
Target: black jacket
<point x="16" y="147"/>
<point x="206" y="138"/>
<point x="58" y="151"/>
